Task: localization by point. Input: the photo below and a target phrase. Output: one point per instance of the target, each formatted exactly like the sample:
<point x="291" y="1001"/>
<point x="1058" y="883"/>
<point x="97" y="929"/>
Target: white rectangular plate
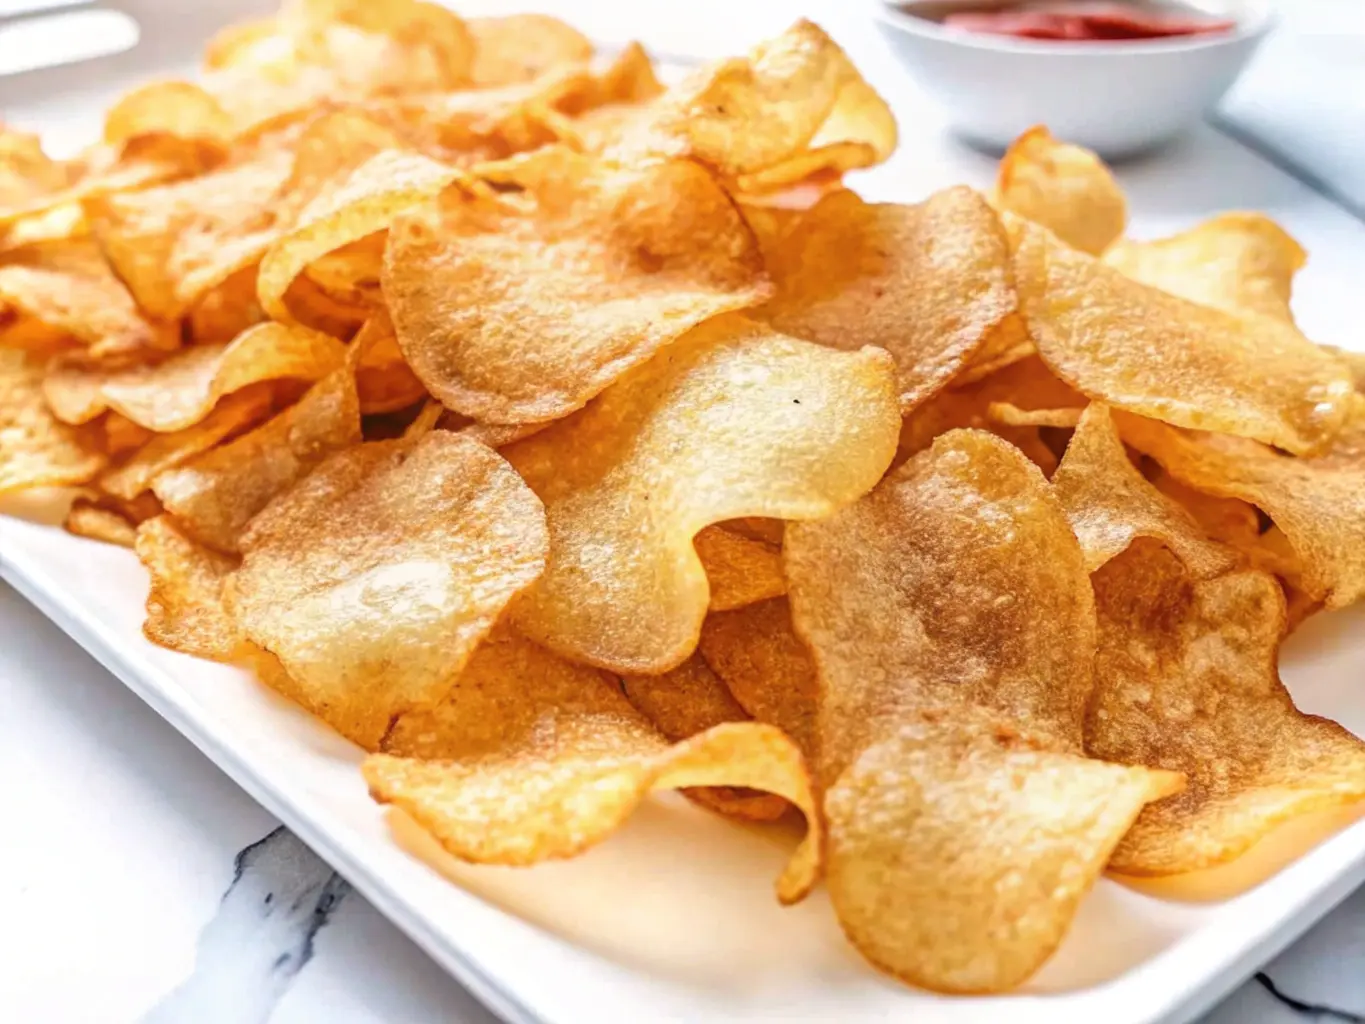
<point x="674" y="917"/>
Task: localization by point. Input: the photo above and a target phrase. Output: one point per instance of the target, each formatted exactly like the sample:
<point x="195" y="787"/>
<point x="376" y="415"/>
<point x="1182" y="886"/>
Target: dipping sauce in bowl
<point x="1089" y="21"/>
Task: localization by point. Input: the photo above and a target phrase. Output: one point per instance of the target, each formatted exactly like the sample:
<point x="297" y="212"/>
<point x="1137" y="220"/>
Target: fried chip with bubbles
<point x="520" y="307"/>
<point x="1187" y="680"/>
<point x="685" y="702"/>
<point x="766" y="667"/>
<point x="1110" y="504"/>
<point x="734" y="420"/>
<point x="214" y="496"/>
<point x="36" y="449"/>
<point x="1065" y="188"/>
<point x="1318" y="503"/>
<point x="185" y="610"/>
<point x="929" y="282"/>
<point x="951" y="621"/>
<point x="518" y="47"/>
<point x="181" y="390"/>
<point x="1149" y="352"/>
<point x="740" y="570"/>
<point x="1242" y="263"/>
<point x="533" y="758"/>
<point x="373" y="579"/>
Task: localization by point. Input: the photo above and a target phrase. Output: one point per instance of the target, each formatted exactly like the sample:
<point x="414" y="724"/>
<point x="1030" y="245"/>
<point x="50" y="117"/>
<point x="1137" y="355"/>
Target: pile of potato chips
<point x="558" y="437"/>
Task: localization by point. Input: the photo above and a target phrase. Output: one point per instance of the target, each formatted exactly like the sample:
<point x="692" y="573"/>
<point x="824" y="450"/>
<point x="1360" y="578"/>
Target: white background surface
<point x="120" y="837"/>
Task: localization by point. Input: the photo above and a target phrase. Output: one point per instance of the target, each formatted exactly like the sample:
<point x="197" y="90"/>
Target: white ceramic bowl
<point x="1118" y="98"/>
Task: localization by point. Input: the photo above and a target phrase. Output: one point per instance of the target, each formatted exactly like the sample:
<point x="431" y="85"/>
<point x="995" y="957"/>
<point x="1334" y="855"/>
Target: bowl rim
<point x="1256" y="19"/>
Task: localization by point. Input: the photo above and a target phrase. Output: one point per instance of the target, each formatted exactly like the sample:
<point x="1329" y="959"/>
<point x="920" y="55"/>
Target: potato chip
<point x="69" y="288"/>
<point x="1065" y="188"/>
<point x="1241" y="263"/>
<point x="185" y="604"/>
<point x="766" y="667"/>
<point x="928" y="283"/>
<point x="214" y="496"/>
<point x="26" y="173"/>
<point x="1319" y="503"/>
<point x="739" y="569"/>
<point x="1186" y="680"/>
<point x="165" y="451"/>
<point x="376" y="576"/>
<point x="1355" y="362"/>
<point x="88" y="518"/>
<point x="950" y="617"/>
<point x="384" y="381"/>
<point x="533" y="758"/>
<point x="518" y="47"/>
<point x="226" y="310"/>
<point x="122" y="435"/>
<point x="180" y="110"/>
<point x="1110" y="504"/>
<point x="1144" y="350"/>
<point x="685" y="702"/>
<point x="521" y="307"/>
<point x="734" y="420"/>
<point x="365" y="202"/>
<point x="35" y="449"/>
<point x="182" y="390"/>
<point x="792" y="107"/>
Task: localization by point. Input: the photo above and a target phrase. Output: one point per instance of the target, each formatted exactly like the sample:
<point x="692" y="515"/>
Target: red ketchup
<point x="1088" y="22"/>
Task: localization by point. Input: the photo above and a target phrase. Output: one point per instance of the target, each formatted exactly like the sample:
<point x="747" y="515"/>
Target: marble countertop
<point x="138" y="883"/>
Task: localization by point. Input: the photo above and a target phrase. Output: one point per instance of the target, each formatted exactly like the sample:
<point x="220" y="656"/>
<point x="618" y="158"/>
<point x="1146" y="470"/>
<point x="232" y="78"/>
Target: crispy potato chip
<point x="180" y="110"/>
<point x="1144" y="350"/>
<point x="1355" y="362"/>
<point x="950" y="617"/>
<point x="1012" y="416"/>
<point x="687" y="701"/>
<point x="1186" y="680"/>
<point x="739" y="569"/>
<point x="214" y="496"/>
<point x="165" y="451"/>
<point x="69" y="288"/>
<point x="384" y="381"/>
<point x="122" y="435"/>
<point x="1065" y="188"/>
<point x="766" y="667"/>
<point x="26" y="173"/>
<point x="1110" y="504"/>
<point x="365" y="202"/>
<point x="521" y="307"/>
<point x="928" y="283"/>
<point x="533" y="758"/>
<point x="1241" y="263"/>
<point x="734" y="420"/>
<point x="793" y="107"/>
<point x="182" y="390"/>
<point x="1319" y="503"/>
<point x="35" y="449"/>
<point x="376" y="576"/>
<point x="226" y="310"/>
<point x="185" y="609"/>
<point x="88" y="518"/>
<point x="518" y="47"/>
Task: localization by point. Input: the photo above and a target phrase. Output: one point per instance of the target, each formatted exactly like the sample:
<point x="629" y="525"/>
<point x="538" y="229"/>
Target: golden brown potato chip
<point x="180" y="110"/>
<point x="88" y="518"/>
<point x="1144" y="350"/>
<point x="1319" y="503"/>
<point x="733" y="420"/>
<point x="1065" y="188"/>
<point x="185" y="604"/>
<point x="214" y="496"/>
<point x="1355" y="362"/>
<point x="384" y="381"/>
<point x="518" y="47"/>
<point x="162" y="452"/>
<point x="792" y="107"/>
<point x="35" y="449"/>
<point x="1241" y="263"/>
<point x="1187" y="680"/>
<point x="533" y="758"/>
<point x="520" y="307"/>
<point x="1227" y="520"/>
<point x="122" y="435"/>
<point x="27" y="174"/>
<point x="739" y="569"/>
<point x="1110" y="504"/>
<point x="1011" y="415"/>
<point x="363" y="203"/>
<point x="69" y="288"/>
<point x="766" y="667"/>
<point x="182" y="390"/>
<point x="951" y="621"/>
<point x="928" y="283"/>
<point x="374" y="578"/>
<point x="686" y="701"/>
